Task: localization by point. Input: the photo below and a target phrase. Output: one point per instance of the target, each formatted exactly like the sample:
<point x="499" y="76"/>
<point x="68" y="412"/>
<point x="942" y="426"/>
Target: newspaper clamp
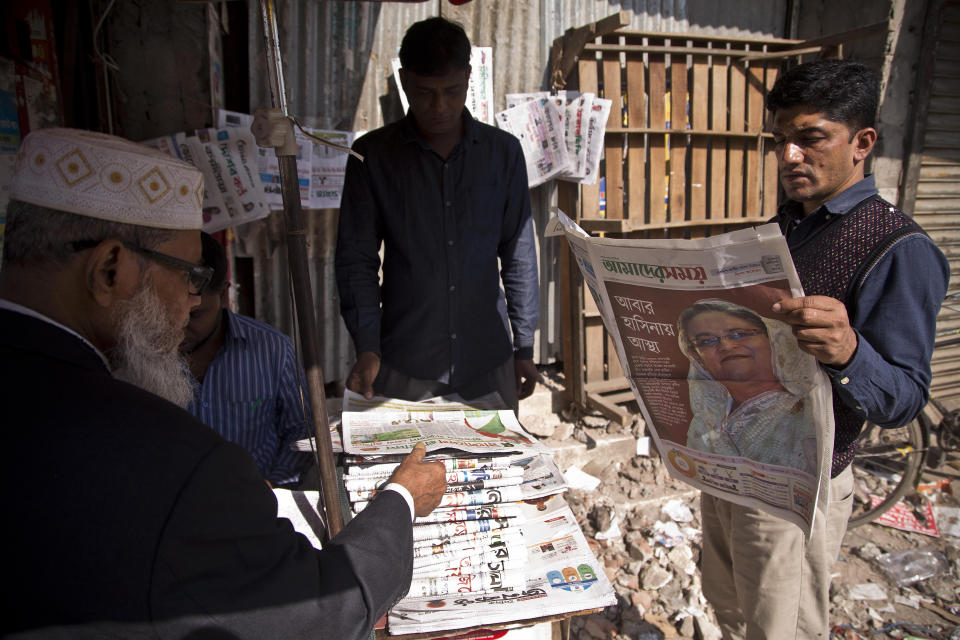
<point x="736" y="409"/>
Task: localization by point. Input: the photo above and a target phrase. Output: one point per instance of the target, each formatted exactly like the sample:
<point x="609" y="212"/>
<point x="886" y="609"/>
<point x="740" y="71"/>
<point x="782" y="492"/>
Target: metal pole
<point x="303" y="294"/>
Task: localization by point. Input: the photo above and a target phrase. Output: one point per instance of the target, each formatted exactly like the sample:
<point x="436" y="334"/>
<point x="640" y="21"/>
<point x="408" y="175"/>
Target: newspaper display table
<point x="503" y="548"/>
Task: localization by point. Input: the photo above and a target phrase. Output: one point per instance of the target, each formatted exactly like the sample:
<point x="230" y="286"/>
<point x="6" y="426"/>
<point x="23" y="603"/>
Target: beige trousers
<point x="764" y="580"/>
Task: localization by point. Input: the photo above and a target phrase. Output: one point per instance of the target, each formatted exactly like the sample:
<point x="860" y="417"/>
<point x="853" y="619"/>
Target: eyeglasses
<point x="707" y="344"/>
<point x="198" y="276"/>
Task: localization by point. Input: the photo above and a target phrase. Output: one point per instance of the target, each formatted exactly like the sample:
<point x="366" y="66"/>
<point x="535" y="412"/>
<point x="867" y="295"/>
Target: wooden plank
<point x="568" y="48"/>
<point x="657" y="143"/>
<point x="690" y="132"/>
<point x="606" y="386"/>
<point x="601" y="225"/>
<point x="771" y="176"/>
<point x="589" y="193"/>
<point x="621" y="398"/>
<point x="700" y="104"/>
<point x="678" y="143"/>
<point x="571" y="294"/>
<point x="609" y="410"/>
<point x="636" y="154"/>
<point x="686" y="50"/>
<point x="783" y="43"/>
<point x="594" y="336"/>
<point x="718" y="146"/>
<point x="755" y="92"/>
<point x="614" y="368"/>
<point x="738" y="122"/>
<point x="613" y="145"/>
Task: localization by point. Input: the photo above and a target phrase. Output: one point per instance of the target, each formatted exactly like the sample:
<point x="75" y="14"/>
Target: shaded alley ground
<point x="644" y="528"/>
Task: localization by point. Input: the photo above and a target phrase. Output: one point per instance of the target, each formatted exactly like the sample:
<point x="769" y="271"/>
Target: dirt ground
<point x="926" y="609"/>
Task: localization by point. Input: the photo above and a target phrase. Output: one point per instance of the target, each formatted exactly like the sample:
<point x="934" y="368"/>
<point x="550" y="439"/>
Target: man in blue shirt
<point x="873" y="284"/>
<point x="448" y="198"/>
<point x="248" y="381"/>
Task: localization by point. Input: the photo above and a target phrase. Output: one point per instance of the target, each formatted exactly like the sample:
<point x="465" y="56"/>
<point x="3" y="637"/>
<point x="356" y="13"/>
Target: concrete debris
<point x="869" y="591"/>
<point x="577" y="479"/>
<point x="678" y="511"/>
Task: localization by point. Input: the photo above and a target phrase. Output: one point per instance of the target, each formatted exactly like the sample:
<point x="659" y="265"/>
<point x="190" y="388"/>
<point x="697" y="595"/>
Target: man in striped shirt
<point x="248" y="381"/>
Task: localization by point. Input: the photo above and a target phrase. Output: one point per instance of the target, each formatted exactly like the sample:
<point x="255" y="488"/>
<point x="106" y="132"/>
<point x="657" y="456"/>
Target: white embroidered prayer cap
<point x="109" y="178"/>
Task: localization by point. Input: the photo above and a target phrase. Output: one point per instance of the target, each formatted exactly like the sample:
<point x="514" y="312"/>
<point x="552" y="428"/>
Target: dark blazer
<point x="124" y="515"/>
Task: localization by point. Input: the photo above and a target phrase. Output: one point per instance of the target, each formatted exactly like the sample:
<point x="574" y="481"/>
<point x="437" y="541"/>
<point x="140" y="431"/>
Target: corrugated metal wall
<point x="337" y="65"/>
<point x="937" y="203"/>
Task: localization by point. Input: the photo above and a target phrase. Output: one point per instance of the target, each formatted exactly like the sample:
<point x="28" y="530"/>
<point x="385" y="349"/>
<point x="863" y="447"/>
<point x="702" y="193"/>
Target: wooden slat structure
<point x="685" y="156"/>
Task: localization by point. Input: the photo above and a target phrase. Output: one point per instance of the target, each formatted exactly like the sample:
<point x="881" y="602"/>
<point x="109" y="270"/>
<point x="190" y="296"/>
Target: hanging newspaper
<point x="547" y="570"/>
<point x="328" y="168"/>
<point x="479" y="86"/>
<point x="576" y="123"/>
<point x="235" y="151"/>
<point x="538" y="125"/>
<point x="395" y="426"/>
<point x="590" y="114"/>
<point x="268" y="168"/>
<point x="214" y="207"/>
<point x="735" y="407"/>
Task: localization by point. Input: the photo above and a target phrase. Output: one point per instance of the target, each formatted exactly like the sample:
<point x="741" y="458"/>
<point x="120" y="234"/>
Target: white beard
<point x="146" y="353"/>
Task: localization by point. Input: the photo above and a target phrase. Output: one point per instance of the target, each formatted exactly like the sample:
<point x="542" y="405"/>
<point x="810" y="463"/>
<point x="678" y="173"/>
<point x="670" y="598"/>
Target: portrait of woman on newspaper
<point x="749" y="386"/>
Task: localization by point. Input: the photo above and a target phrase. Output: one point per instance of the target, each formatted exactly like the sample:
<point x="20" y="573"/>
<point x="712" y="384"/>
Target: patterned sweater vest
<point x="834" y="262"/>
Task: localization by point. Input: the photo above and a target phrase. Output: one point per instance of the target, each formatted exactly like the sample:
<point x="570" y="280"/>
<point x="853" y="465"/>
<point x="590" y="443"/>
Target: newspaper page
<point x="205" y="158"/>
<point x="539" y="127"/>
<point x="735" y="407"/>
<point x="266" y="160"/>
<point x="329" y="166"/>
<point x="599" y="112"/>
<point x="396" y="426"/>
<point x="576" y="121"/>
<point x="480" y="88"/>
<point x="547" y="569"/>
<point x="238" y="155"/>
<point x="533" y="477"/>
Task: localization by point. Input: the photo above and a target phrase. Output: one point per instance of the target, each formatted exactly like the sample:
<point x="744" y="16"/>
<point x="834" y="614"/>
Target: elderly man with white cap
<point x="124" y="516"/>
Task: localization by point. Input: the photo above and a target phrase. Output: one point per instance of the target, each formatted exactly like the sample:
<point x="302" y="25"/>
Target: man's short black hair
<point x="215" y="257"/>
<point x="845" y="91"/>
<point x="434" y="46"/>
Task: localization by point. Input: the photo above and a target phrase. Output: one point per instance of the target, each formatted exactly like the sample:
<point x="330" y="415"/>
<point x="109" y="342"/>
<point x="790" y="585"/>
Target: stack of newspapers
<point x="502" y="546"/>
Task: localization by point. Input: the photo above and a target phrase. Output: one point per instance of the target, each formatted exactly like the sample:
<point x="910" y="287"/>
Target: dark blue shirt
<point x="250" y="395"/>
<point x="888" y="379"/>
<point x="445" y="224"/>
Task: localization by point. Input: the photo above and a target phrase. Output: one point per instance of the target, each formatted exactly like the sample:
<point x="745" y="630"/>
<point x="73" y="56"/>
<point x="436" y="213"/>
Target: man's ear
<point x="403" y="80"/>
<point x="111" y="272"/>
<point x="863" y="142"/>
<point x="224" y="297"/>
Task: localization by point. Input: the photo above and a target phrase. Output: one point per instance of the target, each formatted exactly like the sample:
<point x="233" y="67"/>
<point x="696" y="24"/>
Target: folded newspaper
<point x="550" y="571"/>
<point x="735" y="407"/>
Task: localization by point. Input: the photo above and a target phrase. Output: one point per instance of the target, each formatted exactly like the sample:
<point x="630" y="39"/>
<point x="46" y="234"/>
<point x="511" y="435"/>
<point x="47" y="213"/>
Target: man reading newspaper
<point x="874" y="282"/>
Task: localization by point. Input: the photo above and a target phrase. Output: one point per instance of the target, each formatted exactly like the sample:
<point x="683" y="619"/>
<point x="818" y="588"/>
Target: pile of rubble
<point x="643" y="526"/>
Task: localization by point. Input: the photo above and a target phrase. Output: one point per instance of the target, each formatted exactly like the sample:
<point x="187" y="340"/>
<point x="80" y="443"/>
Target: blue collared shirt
<point x="251" y="396"/>
<point x="888" y="379"/>
<point x="445" y="224"/>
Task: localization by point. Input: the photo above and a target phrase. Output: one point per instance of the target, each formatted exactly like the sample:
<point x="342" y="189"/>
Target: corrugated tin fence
<point x="337" y="67"/>
<point x="932" y="190"/>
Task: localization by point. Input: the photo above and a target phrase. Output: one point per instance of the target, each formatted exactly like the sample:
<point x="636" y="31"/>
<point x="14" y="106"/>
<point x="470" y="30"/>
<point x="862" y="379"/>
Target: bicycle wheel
<point x="886" y="466"/>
